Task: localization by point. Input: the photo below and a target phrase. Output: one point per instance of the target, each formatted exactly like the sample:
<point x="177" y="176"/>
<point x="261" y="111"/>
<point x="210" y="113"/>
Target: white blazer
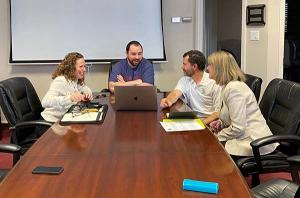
<point x="242" y="119"/>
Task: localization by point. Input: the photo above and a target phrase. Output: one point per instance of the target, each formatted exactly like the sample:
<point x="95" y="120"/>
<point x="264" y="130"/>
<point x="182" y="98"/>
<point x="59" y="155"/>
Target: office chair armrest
<point x="27" y="124"/>
<point x="256" y="144"/>
<point x="294" y="159"/>
<point x="9" y="148"/>
<point x="106" y="90"/>
<point x="31" y="124"/>
<point x="12" y="148"/>
<point x="274" y="139"/>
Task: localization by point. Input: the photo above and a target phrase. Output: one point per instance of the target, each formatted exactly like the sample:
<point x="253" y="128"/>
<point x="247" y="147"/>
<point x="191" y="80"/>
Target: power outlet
<point x="176" y="19"/>
<point x="254" y="35"/>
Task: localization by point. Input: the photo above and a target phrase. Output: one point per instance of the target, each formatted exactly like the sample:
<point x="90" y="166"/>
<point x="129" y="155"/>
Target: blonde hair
<point x="67" y="67"/>
<point x="226" y="67"/>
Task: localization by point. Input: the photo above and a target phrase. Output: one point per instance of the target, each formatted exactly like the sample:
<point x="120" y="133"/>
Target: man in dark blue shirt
<point x="133" y="70"/>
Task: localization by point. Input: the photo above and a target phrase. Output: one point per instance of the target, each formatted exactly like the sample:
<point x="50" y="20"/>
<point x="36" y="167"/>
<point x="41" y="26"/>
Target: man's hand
<point x="138" y="81"/>
<point x="120" y="78"/>
<point x="129" y="83"/>
<point x="165" y="102"/>
<point x="170" y="99"/>
<point x="121" y="82"/>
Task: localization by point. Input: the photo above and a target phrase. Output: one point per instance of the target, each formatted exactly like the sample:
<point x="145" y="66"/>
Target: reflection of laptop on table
<point x="135" y="98"/>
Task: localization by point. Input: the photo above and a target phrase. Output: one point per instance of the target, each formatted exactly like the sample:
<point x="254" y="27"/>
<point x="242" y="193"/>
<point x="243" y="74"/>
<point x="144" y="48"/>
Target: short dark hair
<point x="135" y="43"/>
<point x="196" y="57"/>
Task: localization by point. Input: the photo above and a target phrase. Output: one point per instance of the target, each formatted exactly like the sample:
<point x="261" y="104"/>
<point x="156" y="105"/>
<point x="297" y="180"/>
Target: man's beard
<point x="189" y="74"/>
<point x="133" y="63"/>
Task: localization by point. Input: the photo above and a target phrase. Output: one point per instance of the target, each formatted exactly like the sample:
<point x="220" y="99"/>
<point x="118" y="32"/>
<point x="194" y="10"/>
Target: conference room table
<point x="128" y="155"/>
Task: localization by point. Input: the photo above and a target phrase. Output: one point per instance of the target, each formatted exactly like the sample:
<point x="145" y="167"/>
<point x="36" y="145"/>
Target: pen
<point x="90" y="110"/>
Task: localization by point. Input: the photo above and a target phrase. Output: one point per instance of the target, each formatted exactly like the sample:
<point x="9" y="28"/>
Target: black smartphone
<point x="52" y="170"/>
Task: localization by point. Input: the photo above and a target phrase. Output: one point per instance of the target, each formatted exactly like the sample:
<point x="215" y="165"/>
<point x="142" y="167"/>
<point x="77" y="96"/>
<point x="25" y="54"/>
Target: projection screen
<point x="43" y="31"/>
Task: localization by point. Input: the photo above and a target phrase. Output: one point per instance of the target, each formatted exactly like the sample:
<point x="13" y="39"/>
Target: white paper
<point x="86" y="117"/>
<point x="181" y="125"/>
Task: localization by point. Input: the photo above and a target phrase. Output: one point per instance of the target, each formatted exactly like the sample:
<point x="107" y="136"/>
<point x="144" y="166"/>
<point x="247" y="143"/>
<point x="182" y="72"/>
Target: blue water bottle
<point x="200" y="186"/>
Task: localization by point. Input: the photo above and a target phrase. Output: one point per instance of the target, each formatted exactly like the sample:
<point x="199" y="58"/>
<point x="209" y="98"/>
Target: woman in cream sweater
<point x="240" y="120"/>
<point x="67" y="87"/>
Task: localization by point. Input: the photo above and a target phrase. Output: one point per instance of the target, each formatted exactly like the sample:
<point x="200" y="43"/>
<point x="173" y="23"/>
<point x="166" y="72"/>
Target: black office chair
<point x="254" y="83"/>
<point x="280" y="107"/>
<point x="9" y="148"/>
<point x="106" y="90"/>
<point x="279" y="188"/>
<point x="22" y="109"/>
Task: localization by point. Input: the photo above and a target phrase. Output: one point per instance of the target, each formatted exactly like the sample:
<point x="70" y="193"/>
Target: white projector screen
<point x="44" y="31"/>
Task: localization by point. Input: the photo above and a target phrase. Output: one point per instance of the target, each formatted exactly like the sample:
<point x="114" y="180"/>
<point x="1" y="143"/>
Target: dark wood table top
<point x="129" y="155"/>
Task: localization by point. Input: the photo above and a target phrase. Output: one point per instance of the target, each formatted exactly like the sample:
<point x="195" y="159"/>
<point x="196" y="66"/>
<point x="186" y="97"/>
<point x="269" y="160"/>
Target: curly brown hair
<point x="67" y="67"/>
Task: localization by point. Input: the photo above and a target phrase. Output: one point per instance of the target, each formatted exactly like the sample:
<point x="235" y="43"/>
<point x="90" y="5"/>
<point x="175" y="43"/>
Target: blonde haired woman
<point x="240" y="120"/>
<point x="67" y="87"/>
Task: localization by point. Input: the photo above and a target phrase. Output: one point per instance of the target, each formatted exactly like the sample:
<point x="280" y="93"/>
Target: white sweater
<point x="57" y="100"/>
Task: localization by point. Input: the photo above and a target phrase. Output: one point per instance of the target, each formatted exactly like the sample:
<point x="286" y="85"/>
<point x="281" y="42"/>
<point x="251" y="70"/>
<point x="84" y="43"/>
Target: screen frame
<point x="89" y="61"/>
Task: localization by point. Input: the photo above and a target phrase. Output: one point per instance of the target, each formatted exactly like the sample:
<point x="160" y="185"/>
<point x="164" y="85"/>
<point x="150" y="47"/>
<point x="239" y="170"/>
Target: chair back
<point x="280" y="106"/>
<point x="19" y="100"/>
<point x="20" y="103"/>
<point x="254" y="83"/>
<point x="112" y="63"/>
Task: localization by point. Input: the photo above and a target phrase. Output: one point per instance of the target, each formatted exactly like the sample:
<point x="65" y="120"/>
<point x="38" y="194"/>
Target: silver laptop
<point x="135" y="98"/>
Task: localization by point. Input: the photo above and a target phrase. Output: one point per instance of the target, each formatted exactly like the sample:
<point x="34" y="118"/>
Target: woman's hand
<point x="81" y="97"/>
<point x="87" y="97"/>
<point x="215" y="126"/>
<point x="77" y="97"/>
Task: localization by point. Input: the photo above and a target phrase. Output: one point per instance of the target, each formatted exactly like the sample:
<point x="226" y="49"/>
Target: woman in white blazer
<point x="240" y="120"/>
<point x="67" y="87"/>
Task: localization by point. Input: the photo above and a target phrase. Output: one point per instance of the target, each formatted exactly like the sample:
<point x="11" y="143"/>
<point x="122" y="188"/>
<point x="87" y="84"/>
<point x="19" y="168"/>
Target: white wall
<point x="264" y="58"/>
<point x="178" y="39"/>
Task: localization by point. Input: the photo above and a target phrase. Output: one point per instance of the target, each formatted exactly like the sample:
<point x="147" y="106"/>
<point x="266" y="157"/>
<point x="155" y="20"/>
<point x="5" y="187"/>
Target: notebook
<point x="135" y="98"/>
<point x="92" y="112"/>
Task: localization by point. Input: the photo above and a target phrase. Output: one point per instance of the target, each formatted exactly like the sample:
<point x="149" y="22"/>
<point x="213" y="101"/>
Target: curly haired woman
<point x="67" y="87"/>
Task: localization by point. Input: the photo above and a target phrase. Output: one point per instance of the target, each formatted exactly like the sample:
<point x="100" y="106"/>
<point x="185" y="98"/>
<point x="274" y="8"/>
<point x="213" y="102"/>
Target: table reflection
<point x="74" y="136"/>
